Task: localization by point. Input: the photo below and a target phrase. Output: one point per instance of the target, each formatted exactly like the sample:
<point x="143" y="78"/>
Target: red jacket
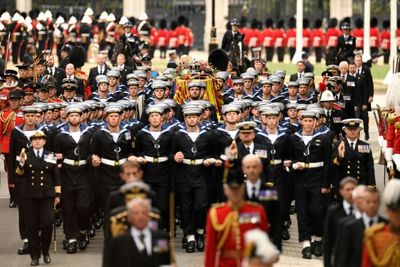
<point x="374" y="37"/>
<point x="318" y="39"/>
<point x="280" y="37"/>
<point x="172" y="39"/>
<point x="267" y="37"/>
<point x="237" y="223"/>
<point x="162" y="38"/>
<point x="385" y="40"/>
<point x="8" y="120"/>
<point x="331" y="37"/>
<point x="291" y="37"/>
<point x="253" y="38"/>
<point x="307" y="37"/>
<point x="359" y="35"/>
<point x="246" y="32"/>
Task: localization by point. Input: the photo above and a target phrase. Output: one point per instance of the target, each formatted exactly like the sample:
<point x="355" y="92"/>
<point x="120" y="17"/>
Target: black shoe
<point x="91" y="232"/>
<point x="65" y="244"/>
<point x="72" y="248"/>
<point x="306" y="253"/>
<point x="292" y="209"/>
<point x="58" y="220"/>
<point x="12" y="204"/>
<point x="317" y="248"/>
<point x="98" y="224"/>
<point x="287" y="223"/>
<point x="190" y="246"/>
<point x="200" y="242"/>
<point x="184" y="242"/>
<point x="46" y="258"/>
<point x="24" y="249"/>
<point x="35" y="262"/>
<point x="83" y="241"/>
<point x="285" y="234"/>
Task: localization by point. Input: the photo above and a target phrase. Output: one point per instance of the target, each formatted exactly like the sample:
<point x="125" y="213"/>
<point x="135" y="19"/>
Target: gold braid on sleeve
<point x="223" y="227"/>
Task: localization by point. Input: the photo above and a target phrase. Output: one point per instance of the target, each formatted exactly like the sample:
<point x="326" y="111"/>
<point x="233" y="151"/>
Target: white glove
<point x="396" y="160"/>
<point x="380" y="141"/>
<point x="388" y="153"/>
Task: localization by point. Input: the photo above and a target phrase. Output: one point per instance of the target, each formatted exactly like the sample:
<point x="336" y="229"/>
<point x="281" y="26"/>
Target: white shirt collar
<point x="250" y="185"/>
<point x="251" y="147"/>
<point x="346" y="206"/>
<point x="40" y="152"/>
<point x="367" y="219"/>
<point x="135" y="233"/>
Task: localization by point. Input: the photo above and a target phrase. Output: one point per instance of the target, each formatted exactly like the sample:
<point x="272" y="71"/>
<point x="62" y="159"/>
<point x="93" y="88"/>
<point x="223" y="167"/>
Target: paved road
<point x="92" y="256"/>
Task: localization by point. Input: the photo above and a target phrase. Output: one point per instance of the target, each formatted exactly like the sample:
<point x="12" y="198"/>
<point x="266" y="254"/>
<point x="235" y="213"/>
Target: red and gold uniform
<point x="8" y="120"/>
<point x="381" y="247"/>
<point x="307" y="37"/>
<point x="225" y="232"/>
<point x="374" y="38"/>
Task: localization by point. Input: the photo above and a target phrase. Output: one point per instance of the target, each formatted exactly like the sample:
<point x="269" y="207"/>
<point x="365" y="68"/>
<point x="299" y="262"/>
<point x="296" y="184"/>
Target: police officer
<point x="72" y="148"/>
<point x="192" y="152"/>
<point x="310" y="156"/>
<point x="153" y="144"/>
<point x="41" y="193"/>
<point x="353" y="157"/>
<point x="346" y="43"/>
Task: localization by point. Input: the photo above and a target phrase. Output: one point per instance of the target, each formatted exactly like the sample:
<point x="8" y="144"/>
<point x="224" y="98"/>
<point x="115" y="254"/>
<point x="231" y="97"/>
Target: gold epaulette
<point x="154" y="215"/>
<point x="119" y="224"/>
<point x="391" y="118"/>
<point x="369" y="232"/>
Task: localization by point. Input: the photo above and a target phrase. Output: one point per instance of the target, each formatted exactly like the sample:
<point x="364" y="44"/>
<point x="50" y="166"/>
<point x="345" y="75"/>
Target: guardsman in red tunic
<point x="189" y="41"/>
<point x="291" y="37"/>
<point x="172" y="36"/>
<point x="374" y="36"/>
<point x="318" y="39"/>
<point x="228" y="222"/>
<point x="382" y="241"/>
<point x="162" y="38"/>
<point x="181" y="32"/>
<point x="385" y="41"/>
<point x="253" y="35"/>
<point x="10" y="118"/>
<point x="245" y="30"/>
<point x="331" y="39"/>
<point x="280" y="40"/>
<point x="359" y="34"/>
<point x="267" y="39"/>
<point x="306" y="36"/>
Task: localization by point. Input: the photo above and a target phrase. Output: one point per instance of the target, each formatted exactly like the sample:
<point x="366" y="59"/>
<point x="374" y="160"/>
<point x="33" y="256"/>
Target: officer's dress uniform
<point x="315" y="152"/>
<point x="42" y="178"/>
<point x="75" y="180"/>
<point x="346" y="45"/>
<point x="19" y="140"/>
<point x="191" y="177"/>
<point x="357" y="162"/>
<point x="157" y="173"/>
<point x="226" y="227"/>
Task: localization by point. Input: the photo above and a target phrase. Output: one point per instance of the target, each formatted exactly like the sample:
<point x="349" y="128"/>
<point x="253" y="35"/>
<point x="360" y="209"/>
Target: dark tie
<point x="38" y="154"/>
<point x="253" y="195"/>
<point x="350" y="211"/>
<point x="248" y="149"/>
<point x="352" y="145"/>
<point x="371" y="222"/>
<point x="141" y="238"/>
